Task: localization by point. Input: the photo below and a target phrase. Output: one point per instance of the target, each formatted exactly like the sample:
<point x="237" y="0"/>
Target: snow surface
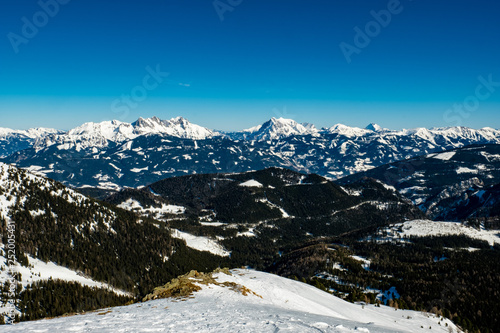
<point x="284" y="214"/>
<point x="348" y="131"/>
<point x="445" y="156"/>
<point x="32" y="133"/>
<point x="39" y="270"/>
<point x="201" y="243"/>
<point x="158" y="212"/>
<point x="365" y="262"/>
<point x="251" y="183"/>
<point x="465" y="170"/>
<point x="423" y="228"/>
<point x="276" y="304"/>
<point x="375" y="127"/>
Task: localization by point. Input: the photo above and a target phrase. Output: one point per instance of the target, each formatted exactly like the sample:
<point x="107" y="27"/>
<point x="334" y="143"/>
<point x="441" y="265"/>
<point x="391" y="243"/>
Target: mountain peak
<point x="147" y="122"/>
<point x="178" y="126"/>
<point x="347" y="130"/>
<point x="374" y="127"/>
<point x="180" y="120"/>
<point x="276" y="128"/>
<point x="109" y="129"/>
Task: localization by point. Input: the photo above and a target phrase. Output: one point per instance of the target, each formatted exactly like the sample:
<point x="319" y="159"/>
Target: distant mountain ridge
<point x="274" y="129"/>
<point x="101" y="134"/>
<point x="15" y="140"/>
<point x="112" y="155"/>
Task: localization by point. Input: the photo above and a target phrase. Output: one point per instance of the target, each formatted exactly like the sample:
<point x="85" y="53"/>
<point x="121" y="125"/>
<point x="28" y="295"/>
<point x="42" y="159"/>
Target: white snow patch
<point x="201" y="243"/>
<point x="136" y="170"/>
<point x="423" y="228"/>
<point x="445" y="156"/>
<point x="284" y="214"/>
<point x="365" y="262"/>
<point x="249" y="233"/>
<point x="465" y="170"/>
<point x="251" y="183"/>
<point x="213" y="224"/>
<point x="158" y="212"/>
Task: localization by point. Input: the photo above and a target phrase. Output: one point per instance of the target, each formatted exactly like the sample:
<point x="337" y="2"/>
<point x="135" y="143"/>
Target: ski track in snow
<point x="281" y="305"/>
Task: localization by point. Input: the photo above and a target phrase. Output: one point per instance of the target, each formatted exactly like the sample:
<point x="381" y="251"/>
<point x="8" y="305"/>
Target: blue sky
<point x="426" y="64"/>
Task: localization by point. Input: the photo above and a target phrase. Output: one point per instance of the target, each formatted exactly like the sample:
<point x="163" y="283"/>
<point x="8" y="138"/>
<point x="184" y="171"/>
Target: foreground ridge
<point x="285" y="305"/>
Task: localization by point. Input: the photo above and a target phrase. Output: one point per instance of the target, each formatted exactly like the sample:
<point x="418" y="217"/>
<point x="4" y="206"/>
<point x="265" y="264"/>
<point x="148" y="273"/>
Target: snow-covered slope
<point x="201" y="243"/>
<point x="348" y="131"/>
<point x="165" y="212"/>
<point x="269" y="304"/>
<point x="20" y="191"/>
<point x="38" y="270"/>
<point x="424" y="228"/>
<point x="42" y="271"/>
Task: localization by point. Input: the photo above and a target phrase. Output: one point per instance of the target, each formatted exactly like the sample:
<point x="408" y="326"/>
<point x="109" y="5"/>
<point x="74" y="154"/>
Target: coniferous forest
<point x="135" y="252"/>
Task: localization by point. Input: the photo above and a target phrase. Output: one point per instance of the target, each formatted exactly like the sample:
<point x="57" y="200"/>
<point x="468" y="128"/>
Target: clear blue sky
<point x="265" y="58"/>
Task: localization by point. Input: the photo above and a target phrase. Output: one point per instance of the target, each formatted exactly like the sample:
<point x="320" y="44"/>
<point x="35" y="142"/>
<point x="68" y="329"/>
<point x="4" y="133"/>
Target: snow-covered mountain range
<point x="114" y="154"/>
<point x="98" y="135"/>
<point x="15" y="140"/>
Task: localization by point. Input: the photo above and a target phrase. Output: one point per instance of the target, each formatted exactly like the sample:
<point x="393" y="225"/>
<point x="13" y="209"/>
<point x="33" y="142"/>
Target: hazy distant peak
<point x="276" y="128"/>
<point x="347" y="130"/>
<point x="374" y="127"/>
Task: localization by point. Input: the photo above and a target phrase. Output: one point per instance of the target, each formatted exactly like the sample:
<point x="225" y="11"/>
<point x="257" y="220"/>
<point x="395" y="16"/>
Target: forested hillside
<point x="54" y="223"/>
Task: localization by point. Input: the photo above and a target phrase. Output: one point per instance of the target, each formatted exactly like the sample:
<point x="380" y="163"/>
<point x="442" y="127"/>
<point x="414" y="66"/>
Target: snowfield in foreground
<point x="279" y="305"/>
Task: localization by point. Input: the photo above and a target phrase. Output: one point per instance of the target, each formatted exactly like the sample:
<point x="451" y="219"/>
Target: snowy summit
<point x="245" y="301"/>
<point x="374" y="127"/>
<point x="277" y="128"/>
<point x="99" y="134"/>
